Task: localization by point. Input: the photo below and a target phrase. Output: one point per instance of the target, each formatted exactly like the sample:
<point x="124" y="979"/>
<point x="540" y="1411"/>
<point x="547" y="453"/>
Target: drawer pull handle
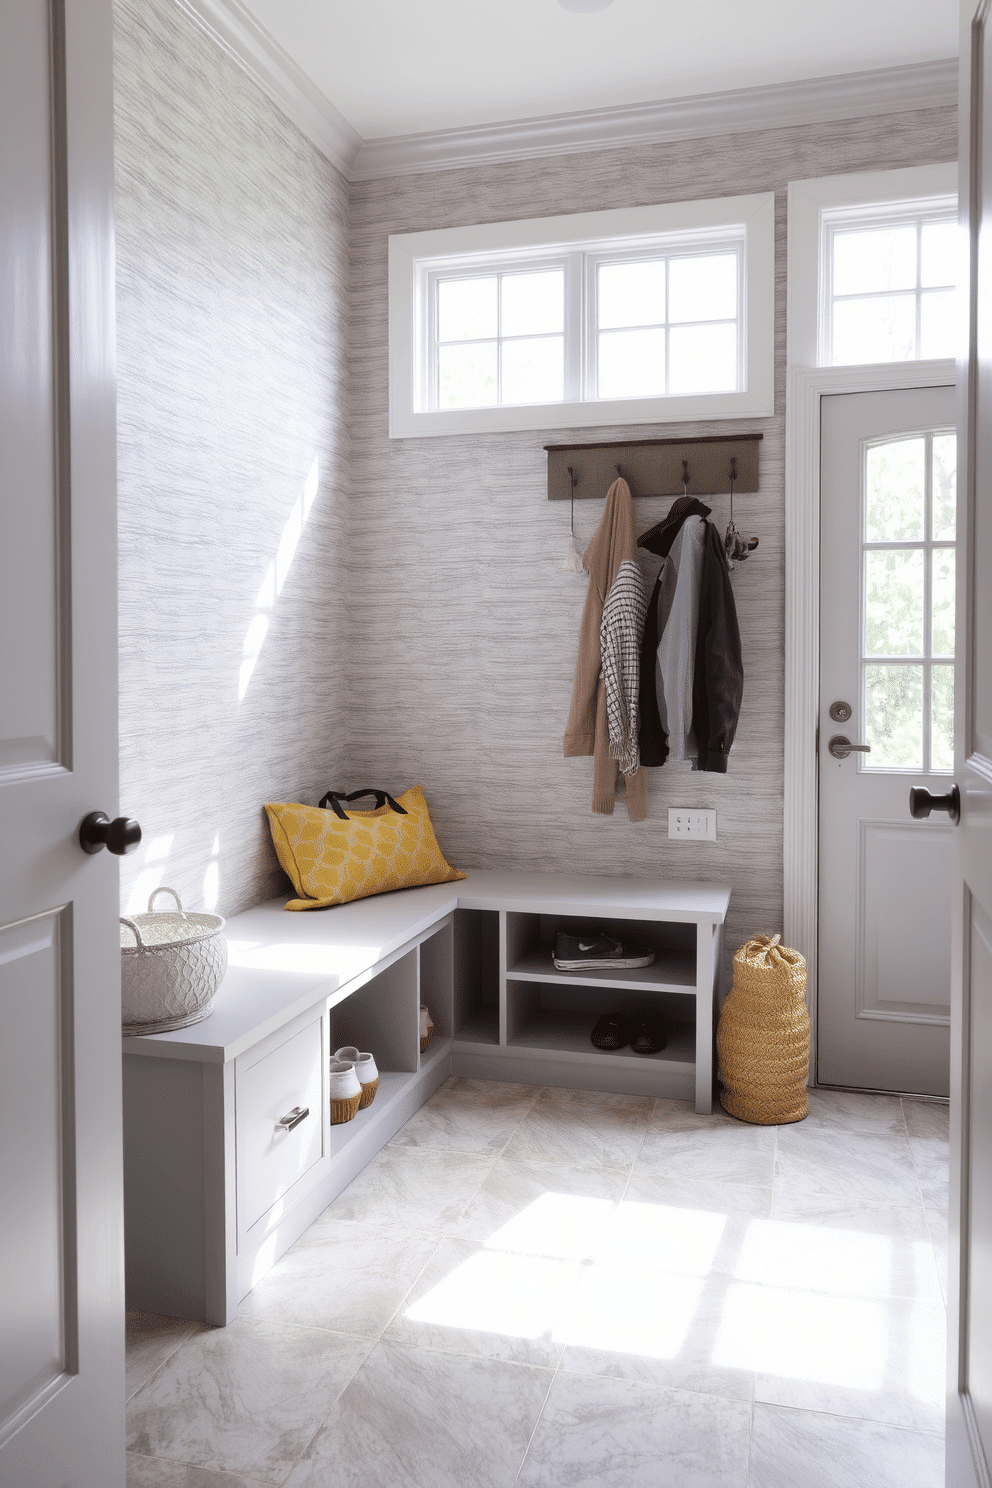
<point x="293" y="1118"/>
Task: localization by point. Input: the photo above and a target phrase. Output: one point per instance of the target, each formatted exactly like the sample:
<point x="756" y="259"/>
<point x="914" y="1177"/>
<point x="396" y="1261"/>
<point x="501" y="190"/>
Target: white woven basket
<point x="171" y="972"/>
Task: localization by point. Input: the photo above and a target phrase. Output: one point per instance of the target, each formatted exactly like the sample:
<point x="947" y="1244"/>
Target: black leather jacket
<point x="718" y="669"/>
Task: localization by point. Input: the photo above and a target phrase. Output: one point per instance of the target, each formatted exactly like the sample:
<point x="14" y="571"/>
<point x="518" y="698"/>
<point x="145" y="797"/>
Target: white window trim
<point x="807" y="385"/>
<point x="413" y="255"/>
<point x="812" y="206"/>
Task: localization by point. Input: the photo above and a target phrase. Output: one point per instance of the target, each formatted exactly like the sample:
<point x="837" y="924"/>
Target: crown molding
<point x="889" y="90"/>
<point x="233" y="28"/>
<point x="778" y="105"/>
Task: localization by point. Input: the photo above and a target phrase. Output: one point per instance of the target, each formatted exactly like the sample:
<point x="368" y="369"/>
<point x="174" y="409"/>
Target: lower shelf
<point x="392" y="1086"/>
<point x="559" y="1031"/>
<point x="481" y="1027"/>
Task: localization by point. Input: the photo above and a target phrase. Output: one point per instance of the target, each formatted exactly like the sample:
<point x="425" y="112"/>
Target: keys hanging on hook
<point x="737" y="548"/>
<point x="573" y="558"/>
<point x="685" y="477"/>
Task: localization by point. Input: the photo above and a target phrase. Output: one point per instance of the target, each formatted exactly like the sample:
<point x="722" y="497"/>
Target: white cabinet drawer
<point x="271" y="1159"/>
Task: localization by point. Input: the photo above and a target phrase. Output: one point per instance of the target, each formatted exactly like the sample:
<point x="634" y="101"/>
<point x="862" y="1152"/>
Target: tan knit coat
<point x="588" y="730"/>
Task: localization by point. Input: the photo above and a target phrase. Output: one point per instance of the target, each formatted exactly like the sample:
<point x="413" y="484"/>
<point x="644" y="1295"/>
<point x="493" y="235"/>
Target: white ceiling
<point x="396" y="67"/>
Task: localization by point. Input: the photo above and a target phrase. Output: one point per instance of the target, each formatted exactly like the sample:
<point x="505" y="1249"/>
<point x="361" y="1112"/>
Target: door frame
<point x="805" y="389"/>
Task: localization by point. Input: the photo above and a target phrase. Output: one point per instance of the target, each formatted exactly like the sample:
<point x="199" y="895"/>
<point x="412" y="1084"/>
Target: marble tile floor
<point x="553" y="1289"/>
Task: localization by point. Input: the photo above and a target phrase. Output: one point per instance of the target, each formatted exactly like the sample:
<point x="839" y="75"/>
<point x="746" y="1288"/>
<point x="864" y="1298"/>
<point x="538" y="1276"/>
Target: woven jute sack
<point x="762" y="1041"/>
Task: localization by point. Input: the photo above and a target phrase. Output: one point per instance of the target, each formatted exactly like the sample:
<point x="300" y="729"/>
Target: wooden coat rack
<point x="654" y="467"/>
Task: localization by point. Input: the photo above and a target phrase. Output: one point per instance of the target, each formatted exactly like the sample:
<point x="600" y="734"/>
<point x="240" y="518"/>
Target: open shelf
<point x="392" y="1085"/>
<point x="476" y="990"/>
<point x="671" y="971"/>
<point x="382" y="1017"/>
<point x="567" y="1032"/>
<point x="481" y="1027"/>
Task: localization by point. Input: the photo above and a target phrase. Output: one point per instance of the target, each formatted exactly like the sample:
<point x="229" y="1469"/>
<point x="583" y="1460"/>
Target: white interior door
<point x="61" y="1263"/>
<point x="887" y="586"/>
<point x="969" y="1303"/>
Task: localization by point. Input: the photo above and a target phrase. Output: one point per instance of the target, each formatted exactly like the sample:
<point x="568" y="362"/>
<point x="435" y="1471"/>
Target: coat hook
<point x="573" y="558"/>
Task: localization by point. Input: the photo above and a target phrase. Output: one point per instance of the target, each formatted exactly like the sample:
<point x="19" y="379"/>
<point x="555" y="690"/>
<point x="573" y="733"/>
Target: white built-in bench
<point x="216" y="1190"/>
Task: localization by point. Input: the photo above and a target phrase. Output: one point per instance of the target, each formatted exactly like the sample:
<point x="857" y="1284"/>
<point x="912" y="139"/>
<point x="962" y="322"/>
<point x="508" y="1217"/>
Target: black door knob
<point x="97" y="831"/>
<point x="921" y="803"/>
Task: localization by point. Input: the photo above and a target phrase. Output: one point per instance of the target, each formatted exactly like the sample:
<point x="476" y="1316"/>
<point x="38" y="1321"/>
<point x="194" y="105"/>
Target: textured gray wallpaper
<point x="304" y="602"/>
<point x="231" y="320"/>
<point x="464" y="626"/>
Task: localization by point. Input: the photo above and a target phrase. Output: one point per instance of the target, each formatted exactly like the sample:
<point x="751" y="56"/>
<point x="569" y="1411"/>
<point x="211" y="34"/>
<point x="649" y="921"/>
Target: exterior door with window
<point x="887" y="609"/>
<point x="61" y="1221"/>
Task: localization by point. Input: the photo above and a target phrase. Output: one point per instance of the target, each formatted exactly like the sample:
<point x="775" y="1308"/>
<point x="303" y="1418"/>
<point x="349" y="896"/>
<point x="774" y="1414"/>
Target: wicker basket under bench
<point x="217" y="1187"/>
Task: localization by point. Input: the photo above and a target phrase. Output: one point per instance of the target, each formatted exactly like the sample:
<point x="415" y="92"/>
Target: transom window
<point x="908" y="531"/>
<point x="890" y="285"/>
<point x="667" y="325"/>
<point x="500" y="338"/>
<point x="652" y="323"/>
<point x="638" y="315"/>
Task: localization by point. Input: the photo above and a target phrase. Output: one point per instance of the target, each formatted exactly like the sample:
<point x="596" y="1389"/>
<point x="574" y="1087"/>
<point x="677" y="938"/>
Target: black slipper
<point x="612" y="1032"/>
<point x="649" y="1034"/>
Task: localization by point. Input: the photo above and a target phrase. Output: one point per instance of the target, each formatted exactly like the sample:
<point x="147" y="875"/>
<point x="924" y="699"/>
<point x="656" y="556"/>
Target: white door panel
<point x="904" y="882"/>
<point x="969" y="1303"/>
<point x="61" y="1302"/>
<point x="886" y="566"/>
<point x="28" y="617"/>
<point x="32" y="1100"/>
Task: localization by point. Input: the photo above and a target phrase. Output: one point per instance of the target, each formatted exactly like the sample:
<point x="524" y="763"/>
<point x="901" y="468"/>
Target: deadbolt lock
<point x="840" y="712"/>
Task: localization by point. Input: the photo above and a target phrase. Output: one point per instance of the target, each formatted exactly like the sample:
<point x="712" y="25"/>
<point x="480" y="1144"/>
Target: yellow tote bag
<point x="332" y="857"/>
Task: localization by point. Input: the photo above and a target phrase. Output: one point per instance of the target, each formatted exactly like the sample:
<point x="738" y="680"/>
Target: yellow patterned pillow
<point x="331" y="861"/>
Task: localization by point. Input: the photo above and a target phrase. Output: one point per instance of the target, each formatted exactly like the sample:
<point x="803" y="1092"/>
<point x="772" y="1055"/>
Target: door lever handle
<point x="840" y="747"/>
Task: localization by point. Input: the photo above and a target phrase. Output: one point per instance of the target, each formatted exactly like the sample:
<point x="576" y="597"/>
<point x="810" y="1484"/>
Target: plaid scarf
<point x="620" y="635"/>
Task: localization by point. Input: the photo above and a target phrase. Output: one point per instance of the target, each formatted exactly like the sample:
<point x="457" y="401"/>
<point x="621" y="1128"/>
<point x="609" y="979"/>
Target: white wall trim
<point x="806" y="387"/>
<point x="888" y="90"/>
<point x="234" y="29"/>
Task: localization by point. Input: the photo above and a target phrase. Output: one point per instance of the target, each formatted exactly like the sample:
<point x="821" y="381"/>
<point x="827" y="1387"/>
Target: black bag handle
<point x="382" y="798"/>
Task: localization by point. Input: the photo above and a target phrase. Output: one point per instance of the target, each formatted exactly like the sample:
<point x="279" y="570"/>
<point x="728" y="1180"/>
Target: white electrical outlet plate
<point x="686" y="822"/>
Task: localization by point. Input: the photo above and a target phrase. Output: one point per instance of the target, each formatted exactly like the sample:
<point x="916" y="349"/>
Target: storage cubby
<point x="554" y="1017"/>
<point x="381" y="1017"/>
<point x="476" y="976"/>
<point x="530" y="938"/>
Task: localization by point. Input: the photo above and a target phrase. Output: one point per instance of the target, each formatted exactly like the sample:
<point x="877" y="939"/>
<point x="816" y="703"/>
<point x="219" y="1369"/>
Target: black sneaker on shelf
<point x="648" y="1033"/>
<point x="598" y="952"/>
<point x="612" y="1031"/>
